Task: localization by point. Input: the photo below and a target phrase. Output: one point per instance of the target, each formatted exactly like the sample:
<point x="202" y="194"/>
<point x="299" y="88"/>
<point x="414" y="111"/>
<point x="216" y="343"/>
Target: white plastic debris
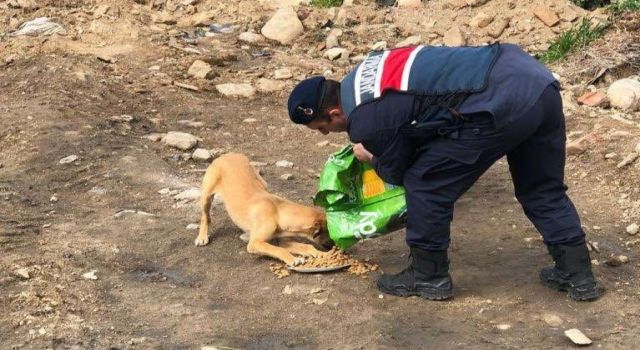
<point x="577" y="337"/>
<point x="39" y="26"/>
<point x="91" y="275"/>
<point x="69" y="159"/>
<point x="284" y="164"/>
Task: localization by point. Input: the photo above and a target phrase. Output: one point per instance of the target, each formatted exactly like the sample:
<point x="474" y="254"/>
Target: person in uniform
<point x="434" y="119"/>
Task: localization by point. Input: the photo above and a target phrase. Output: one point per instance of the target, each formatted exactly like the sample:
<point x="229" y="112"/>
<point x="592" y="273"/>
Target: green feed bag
<point x="358" y="203"/>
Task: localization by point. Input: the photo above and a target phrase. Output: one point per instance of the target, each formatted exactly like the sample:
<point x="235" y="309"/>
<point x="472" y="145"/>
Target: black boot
<point x="572" y="272"/>
<point x="426" y="276"/>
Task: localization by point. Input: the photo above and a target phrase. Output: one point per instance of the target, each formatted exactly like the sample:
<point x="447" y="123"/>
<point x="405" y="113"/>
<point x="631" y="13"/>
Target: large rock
<point x="250" y="37"/>
<point x="497" y="27"/>
<point x="552" y="320"/>
<point x="164" y="18"/>
<point x="409" y="3"/>
<point x="270" y="85"/>
<point x="481" y="20"/>
<point x="284" y="3"/>
<point x="237" y="90"/>
<point x="201" y="154"/>
<point x="180" y="140"/>
<point x="580" y="145"/>
<point x="546" y="15"/>
<point x="454" y="37"/>
<point x="197" y="20"/>
<point x="332" y="41"/>
<point x="569" y="14"/>
<point x="410" y="41"/>
<point x="282" y="73"/>
<point x="625" y="94"/>
<point x="283" y="27"/>
<point x="336" y="52"/>
<point x="190" y="194"/>
<point x="200" y="70"/>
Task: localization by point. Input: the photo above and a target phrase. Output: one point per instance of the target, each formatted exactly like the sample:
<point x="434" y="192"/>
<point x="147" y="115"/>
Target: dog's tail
<point x="209" y="183"/>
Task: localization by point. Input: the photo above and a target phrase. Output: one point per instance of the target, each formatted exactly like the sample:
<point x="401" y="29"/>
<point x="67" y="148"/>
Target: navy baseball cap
<point x="306" y="99"/>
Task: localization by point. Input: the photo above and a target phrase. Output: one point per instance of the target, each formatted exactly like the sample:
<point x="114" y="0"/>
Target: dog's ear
<point x="264" y="183"/>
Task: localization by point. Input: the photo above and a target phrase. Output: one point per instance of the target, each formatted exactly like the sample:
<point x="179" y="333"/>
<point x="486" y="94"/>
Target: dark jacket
<point x="514" y="85"/>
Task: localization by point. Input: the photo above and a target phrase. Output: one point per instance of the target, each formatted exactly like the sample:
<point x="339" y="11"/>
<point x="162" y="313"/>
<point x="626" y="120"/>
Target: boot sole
<point x="435" y="295"/>
<point x="588" y="296"/>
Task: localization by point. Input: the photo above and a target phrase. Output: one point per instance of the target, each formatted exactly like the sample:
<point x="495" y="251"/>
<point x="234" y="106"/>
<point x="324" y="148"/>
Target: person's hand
<point x="361" y="153"/>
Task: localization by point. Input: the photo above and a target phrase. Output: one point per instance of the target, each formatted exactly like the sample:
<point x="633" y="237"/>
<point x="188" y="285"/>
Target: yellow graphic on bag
<point x="372" y="184"/>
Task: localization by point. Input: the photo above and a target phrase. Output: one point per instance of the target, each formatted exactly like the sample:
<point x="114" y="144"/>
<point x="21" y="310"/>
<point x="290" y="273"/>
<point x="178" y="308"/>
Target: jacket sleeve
<point x="376" y="125"/>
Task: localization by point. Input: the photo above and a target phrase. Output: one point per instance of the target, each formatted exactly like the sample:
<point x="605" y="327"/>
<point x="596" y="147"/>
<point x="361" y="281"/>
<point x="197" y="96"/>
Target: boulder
<point x="497" y="27"/>
<point x="250" y="37"/>
<point x="336" y="52"/>
<point x="270" y="85"/>
<point x="625" y="94"/>
<point x="454" y="37"/>
<point x="180" y="140"/>
<point x="200" y="69"/>
<point x="583" y="143"/>
<point x="410" y="41"/>
<point x="546" y="15"/>
<point x="201" y="154"/>
<point x="409" y="3"/>
<point x="283" y="27"/>
<point x="282" y="73"/>
<point x="236" y="90"/>
<point x="481" y="20"/>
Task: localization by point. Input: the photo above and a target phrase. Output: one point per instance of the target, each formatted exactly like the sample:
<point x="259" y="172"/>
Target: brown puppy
<point x="262" y="215"/>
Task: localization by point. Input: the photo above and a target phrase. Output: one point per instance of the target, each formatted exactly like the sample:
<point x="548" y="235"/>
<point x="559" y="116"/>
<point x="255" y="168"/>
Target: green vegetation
<point x="575" y="38"/>
<point x="326" y="3"/>
<point x="624" y="6"/>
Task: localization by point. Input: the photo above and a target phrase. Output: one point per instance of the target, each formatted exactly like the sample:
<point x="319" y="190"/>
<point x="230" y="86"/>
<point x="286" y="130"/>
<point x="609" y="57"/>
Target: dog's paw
<point x="315" y="253"/>
<point x="298" y="260"/>
<point x="201" y="241"/>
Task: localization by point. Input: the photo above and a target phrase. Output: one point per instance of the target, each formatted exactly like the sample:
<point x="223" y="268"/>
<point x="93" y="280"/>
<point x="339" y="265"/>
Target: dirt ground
<point x="156" y="290"/>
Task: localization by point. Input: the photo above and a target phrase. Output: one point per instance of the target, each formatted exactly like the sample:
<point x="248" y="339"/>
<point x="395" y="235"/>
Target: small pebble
<point x="69" y="159"/>
<point x="91" y="275"/>
<point x="552" y="320"/>
<point x="633" y="229"/>
<point x="284" y="164"/>
<point x="22" y="273"/>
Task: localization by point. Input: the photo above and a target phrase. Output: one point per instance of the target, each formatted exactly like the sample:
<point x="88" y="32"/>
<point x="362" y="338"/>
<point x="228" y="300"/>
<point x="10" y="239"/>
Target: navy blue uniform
<point x="518" y="115"/>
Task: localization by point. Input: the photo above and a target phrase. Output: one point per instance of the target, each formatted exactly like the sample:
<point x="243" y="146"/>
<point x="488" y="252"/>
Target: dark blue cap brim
<point x="304" y="100"/>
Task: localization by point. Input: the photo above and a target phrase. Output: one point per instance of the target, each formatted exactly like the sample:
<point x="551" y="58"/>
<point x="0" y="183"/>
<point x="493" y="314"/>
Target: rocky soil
<point x="111" y="111"/>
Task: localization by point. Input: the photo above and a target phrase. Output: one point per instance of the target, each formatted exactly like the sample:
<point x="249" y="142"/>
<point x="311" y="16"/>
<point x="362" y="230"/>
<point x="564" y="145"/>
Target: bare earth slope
<point x="112" y="210"/>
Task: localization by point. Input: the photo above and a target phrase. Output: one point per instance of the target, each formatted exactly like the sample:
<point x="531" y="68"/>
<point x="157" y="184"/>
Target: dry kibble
<point x="279" y="270"/>
<point x="334" y="257"/>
